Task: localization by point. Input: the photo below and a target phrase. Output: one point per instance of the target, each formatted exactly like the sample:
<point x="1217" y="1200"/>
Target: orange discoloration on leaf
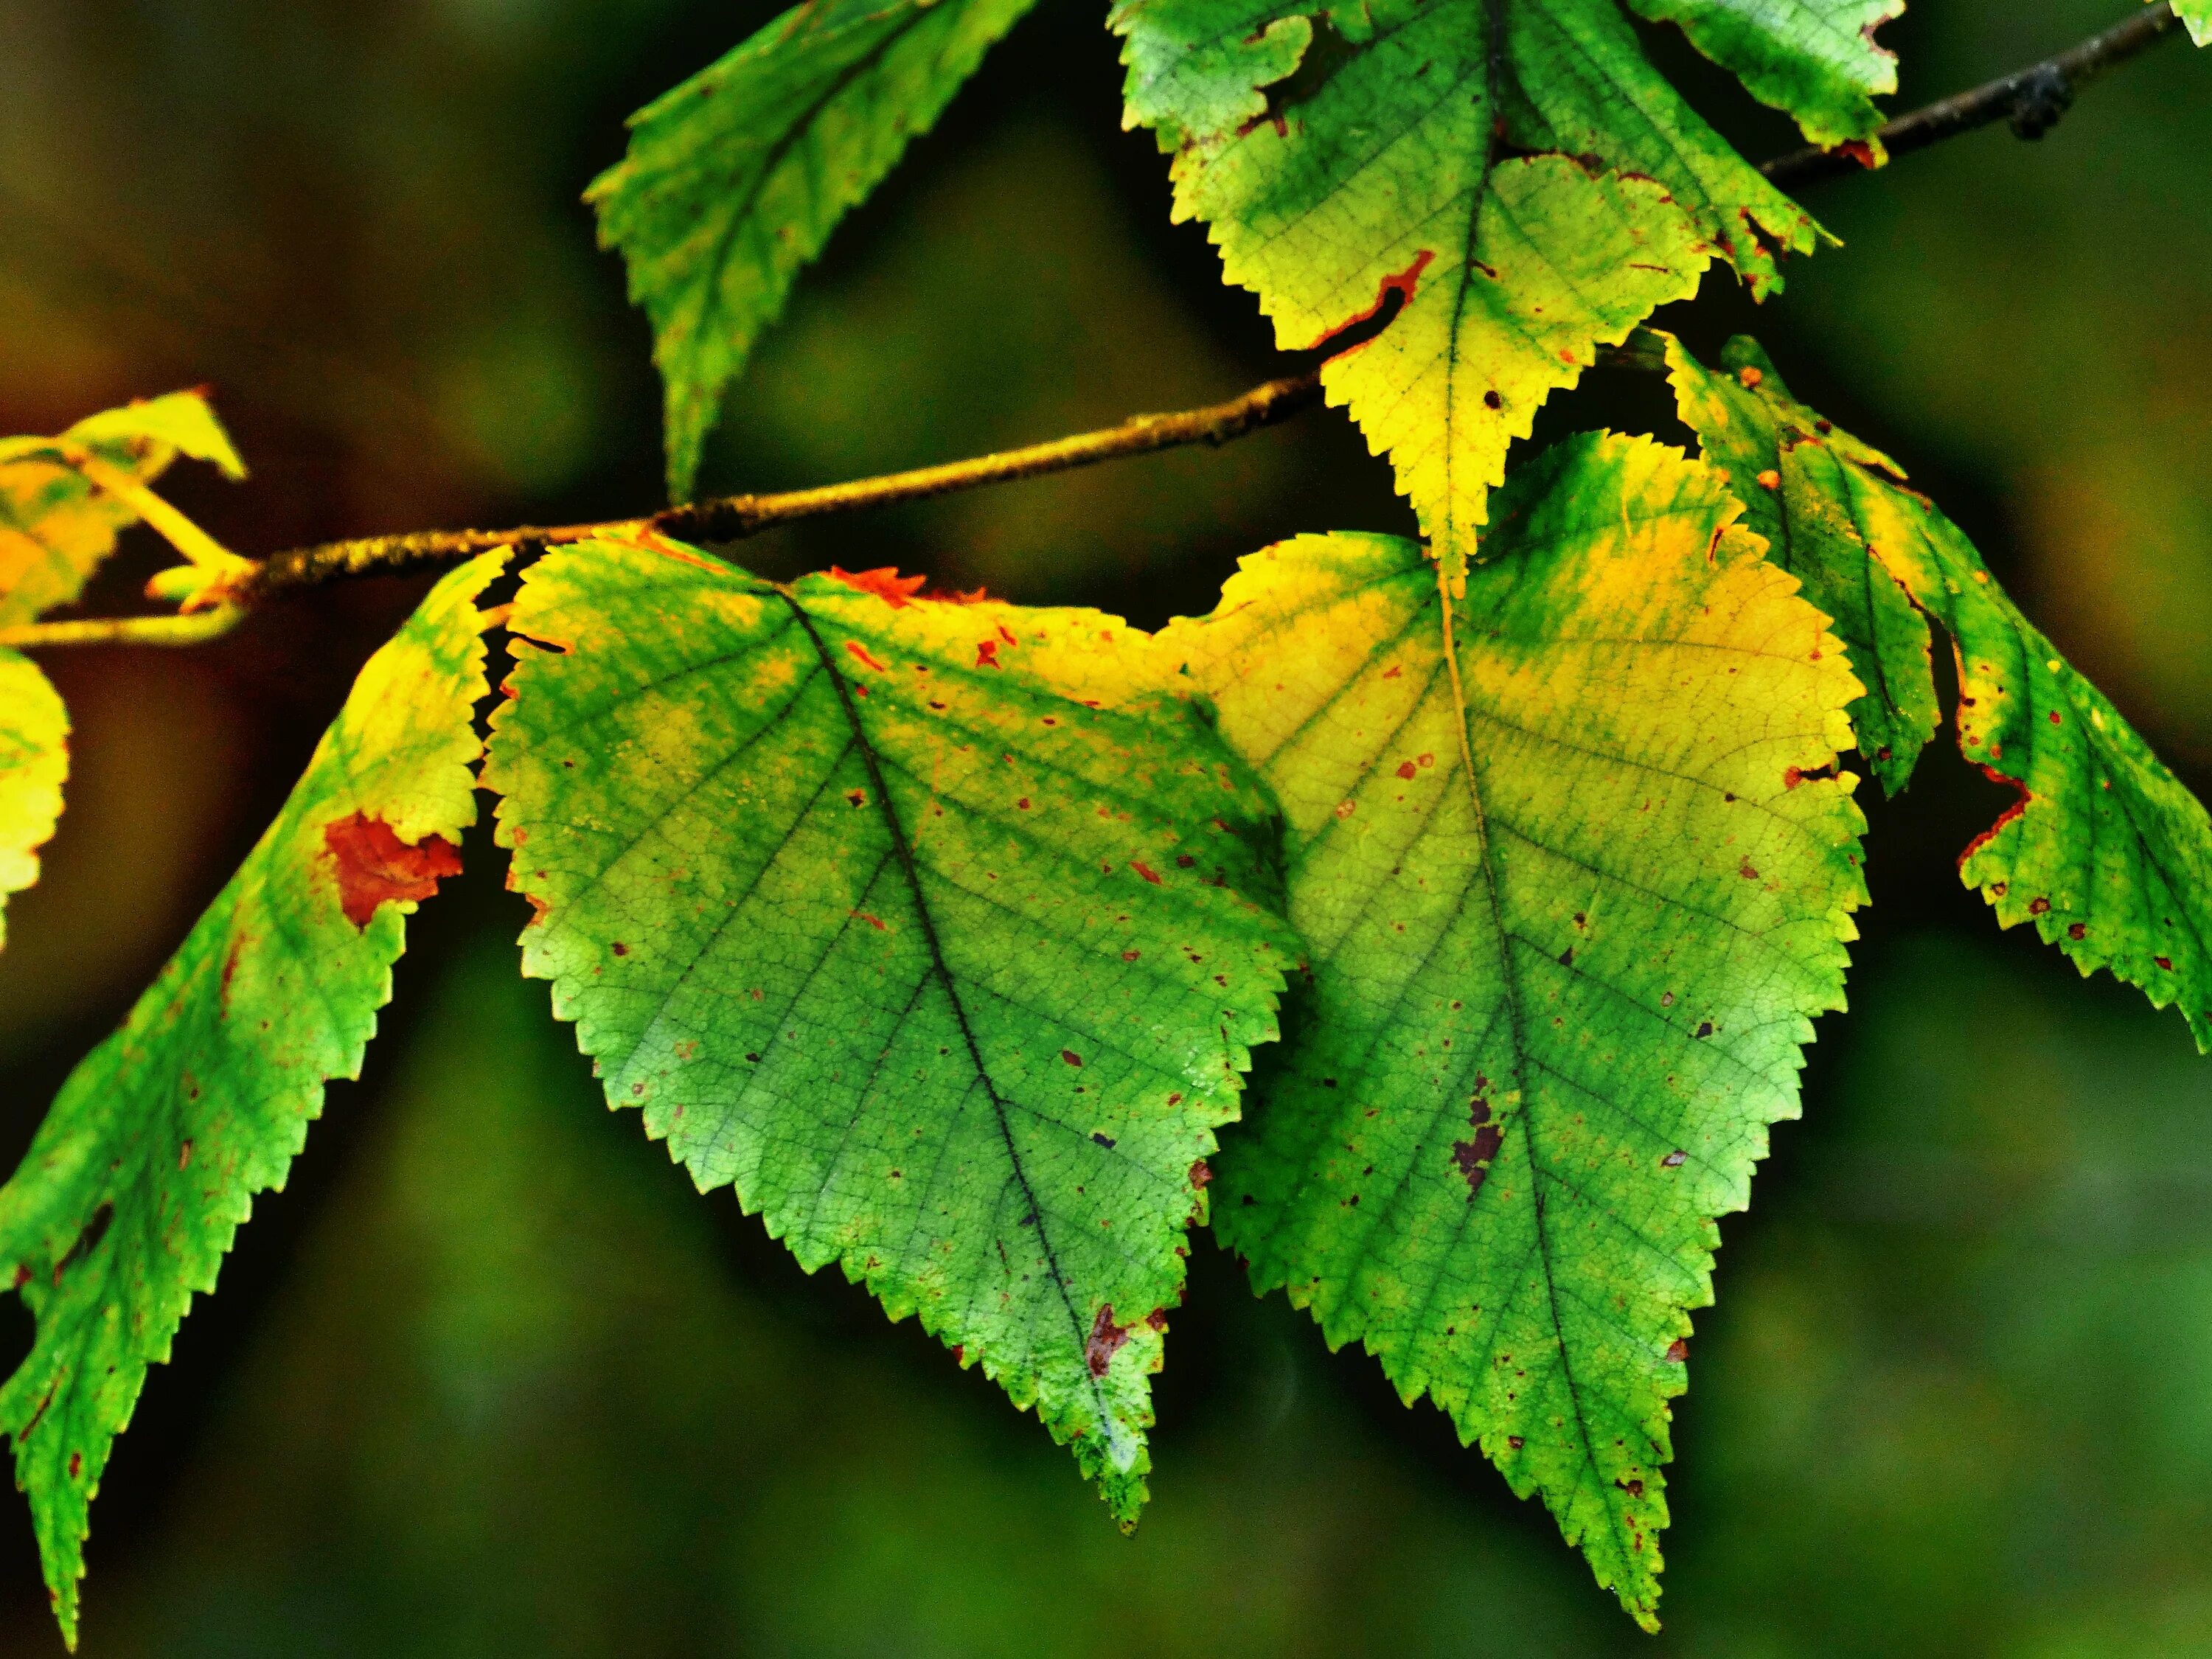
<point x="375" y="868"/>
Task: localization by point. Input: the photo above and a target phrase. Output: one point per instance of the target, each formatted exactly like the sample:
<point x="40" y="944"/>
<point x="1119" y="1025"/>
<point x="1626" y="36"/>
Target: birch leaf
<point x="936" y="929"/>
<point x="1575" y="877"/>
<point x="137" y="1181"/>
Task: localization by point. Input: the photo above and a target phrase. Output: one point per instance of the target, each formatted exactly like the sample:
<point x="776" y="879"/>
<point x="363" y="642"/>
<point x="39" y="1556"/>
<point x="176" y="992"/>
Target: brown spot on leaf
<point x="375" y="867"/>
<point x="2077" y="931"/>
<point x="2036" y="907"/>
<point x="1678" y="1351"/>
<point x="1406" y="769"/>
<point x="1071" y="1056"/>
<point x="1106" y="1341"/>
<point x="1202" y="1173"/>
<point x="1473" y="1157"/>
<point x="1145" y="871"/>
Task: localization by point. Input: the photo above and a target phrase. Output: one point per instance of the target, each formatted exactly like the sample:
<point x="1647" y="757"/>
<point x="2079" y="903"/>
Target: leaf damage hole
<point x="1392" y="295"/>
<point x="375" y="867"/>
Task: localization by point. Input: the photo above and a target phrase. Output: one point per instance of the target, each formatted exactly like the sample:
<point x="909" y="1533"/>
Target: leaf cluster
<point x="945" y="932"/>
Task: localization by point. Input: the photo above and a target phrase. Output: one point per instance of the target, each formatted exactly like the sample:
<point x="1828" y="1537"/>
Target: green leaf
<point x="2105" y="852"/>
<point x="1785" y="463"/>
<point x="55" y="527"/>
<point x="2198" y="14"/>
<point x="934" y="928"/>
<point x="1815" y="60"/>
<point x="33" y="762"/>
<point x="137" y="1180"/>
<point x="1521" y="174"/>
<point x="735" y="178"/>
<point x="1572" y="894"/>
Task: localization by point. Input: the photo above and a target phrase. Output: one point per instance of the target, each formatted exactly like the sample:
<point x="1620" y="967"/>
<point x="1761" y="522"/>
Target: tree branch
<point x="733" y="518"/>
<point x="2032" y="98"/>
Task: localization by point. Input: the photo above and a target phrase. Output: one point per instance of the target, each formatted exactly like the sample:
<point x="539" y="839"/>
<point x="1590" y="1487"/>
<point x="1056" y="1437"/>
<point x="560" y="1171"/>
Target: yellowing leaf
<point x="33" y="762"/>
<point x="56" y="527"/>
<point x="1575" y="877"/>
<point x="1785" y="465"/>
<point x="934" y="928"/>
<point x="1518" y="173"/>
<point x="2106" y="853"/>
<point x="735" y="178"/>
<point x="137" y="1182"/>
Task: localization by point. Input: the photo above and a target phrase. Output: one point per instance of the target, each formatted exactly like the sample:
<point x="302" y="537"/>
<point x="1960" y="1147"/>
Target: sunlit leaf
<point x="1783" y="462"/>
<point x="33" y="762"/>
<point x="1572" y="898"/>
<point x="1520" y="174"/>
<point x="934" y="928"/>
<point x="150" y="1157"/>
<point x="2105" y="852"/>
<point x="735" y="178"/>
<point x="1815" y="59"/>
<point x="55" y="527"/>
<point x="2198" y="14"/>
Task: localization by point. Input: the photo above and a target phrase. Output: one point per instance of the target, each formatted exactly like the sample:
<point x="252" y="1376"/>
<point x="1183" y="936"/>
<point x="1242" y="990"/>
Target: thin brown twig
<point x="735" y="517"/>
<point x="2032" y="98"/>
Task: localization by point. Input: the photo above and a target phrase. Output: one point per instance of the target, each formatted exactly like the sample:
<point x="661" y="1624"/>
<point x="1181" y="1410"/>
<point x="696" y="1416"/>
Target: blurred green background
<point x="489" y="1378"/>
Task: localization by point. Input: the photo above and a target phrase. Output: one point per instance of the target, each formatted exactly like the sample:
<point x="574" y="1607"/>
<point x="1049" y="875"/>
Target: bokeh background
<point x="489" y="1378"/>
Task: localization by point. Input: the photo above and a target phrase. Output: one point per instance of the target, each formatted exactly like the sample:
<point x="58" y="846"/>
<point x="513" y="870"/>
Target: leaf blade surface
<point x="735" y="178"/>
<point x="34" y="765"/>
<point x="925" y="924"/>
<point x="1571" y="909"/>
<point x="149" y="1161"/>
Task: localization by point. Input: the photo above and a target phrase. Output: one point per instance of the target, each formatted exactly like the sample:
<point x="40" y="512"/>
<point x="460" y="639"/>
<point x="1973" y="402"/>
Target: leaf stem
<point x="193" y="629"/>
<point x="180" y="531"/>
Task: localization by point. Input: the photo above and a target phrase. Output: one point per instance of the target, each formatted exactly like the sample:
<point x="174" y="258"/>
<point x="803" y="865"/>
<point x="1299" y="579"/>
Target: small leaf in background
<point x="2198" y="14"/>
<point x="1520" y="177"/>
<point x="129" y="1196"/>
<point x="936" y="928"/>
<point x="56" y="527"/>
<point x="1783" y="462"/>
<point x="1572" y="899"/>
<point x="735" y="178"/>
<point x="2106" y="851"/>
<point x="33" y="762"/>
<point x="1815" y="60"/>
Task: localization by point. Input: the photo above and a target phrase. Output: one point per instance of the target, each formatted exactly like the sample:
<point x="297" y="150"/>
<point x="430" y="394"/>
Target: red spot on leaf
<point x="1860" y="151"/>
<point x="2166" y="963"/>
<point x="885" y="583"/>
<point x="986" y="654"/>
<point x="1402" y="284"/>
<point x="2077" y="932"/>
<point x="76" y="1465"/>
<point x="375" y="867"/>
<point x="1106" y="1341"/>
<point x="1071" y="1056"/>
<point x="862" y="654"/>
<point x="1145" y="871"/>
<point x="1678" y="1351"/>
<point x="862" y="915"/>
<point x="1407" y="769"/>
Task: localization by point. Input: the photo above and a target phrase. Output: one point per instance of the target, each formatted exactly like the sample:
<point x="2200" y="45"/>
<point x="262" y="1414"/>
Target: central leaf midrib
<point x="904" y="852"/>
<point x="1511" y="990"/>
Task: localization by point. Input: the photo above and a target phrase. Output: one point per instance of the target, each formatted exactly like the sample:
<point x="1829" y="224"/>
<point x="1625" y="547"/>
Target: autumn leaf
<point x="1815" y="60"/>
<point x="1575" y="873"/>
<point x="1519" y="176"/>
<point x="2105" y="851"/>
<point x="735" y="178"/>
<point x="936" y="929"/>
<point x="1785" y="463"/>
<point x="149" y="1159"/>
<point x="56" y="527"/>
<point x="33" y="762"/>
